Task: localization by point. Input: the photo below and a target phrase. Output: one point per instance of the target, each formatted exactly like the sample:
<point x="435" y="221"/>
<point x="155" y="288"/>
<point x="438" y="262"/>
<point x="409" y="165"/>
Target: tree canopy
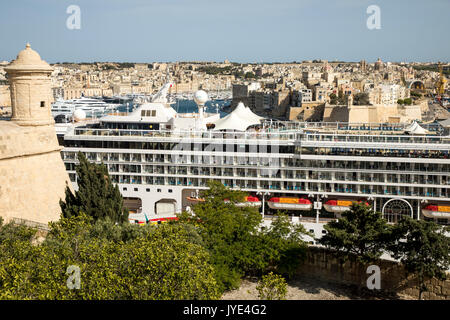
<point x="423" y="248"/>
<point x="238" y="245"/>
<point x="96" y="196"/>
<point x="360" y="231"/>
<point x="151" y="262"/>
<point x="361" y="99"/>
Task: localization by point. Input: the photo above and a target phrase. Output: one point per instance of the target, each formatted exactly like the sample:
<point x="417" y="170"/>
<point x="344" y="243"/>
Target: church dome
<point x="28" y="59"/>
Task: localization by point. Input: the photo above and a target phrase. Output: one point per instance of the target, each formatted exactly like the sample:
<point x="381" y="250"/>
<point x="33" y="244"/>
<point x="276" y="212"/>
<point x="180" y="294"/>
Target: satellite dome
<point x="79" y="115"/>
<point x="200" y="97"/>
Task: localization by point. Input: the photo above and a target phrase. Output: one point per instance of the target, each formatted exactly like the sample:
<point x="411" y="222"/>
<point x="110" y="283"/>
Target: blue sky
<point x="237" y="30"/>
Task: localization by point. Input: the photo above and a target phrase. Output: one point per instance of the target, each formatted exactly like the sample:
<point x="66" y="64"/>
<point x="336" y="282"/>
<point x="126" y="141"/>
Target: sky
<point x="246" y="31"/>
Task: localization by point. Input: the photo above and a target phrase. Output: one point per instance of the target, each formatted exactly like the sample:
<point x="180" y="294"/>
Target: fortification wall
<point x="323" y="264"/>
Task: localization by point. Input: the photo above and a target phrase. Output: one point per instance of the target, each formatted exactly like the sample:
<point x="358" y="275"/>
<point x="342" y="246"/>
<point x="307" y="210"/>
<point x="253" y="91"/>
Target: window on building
<point x="153" y="113"/>
<point x="159" y="190"/>
<point x="42" y="104"/>
<point x="170" y="190"/>
<point x="147" y="190"/>
<point x="135" y="189"/>
<point x="125" y="189"/>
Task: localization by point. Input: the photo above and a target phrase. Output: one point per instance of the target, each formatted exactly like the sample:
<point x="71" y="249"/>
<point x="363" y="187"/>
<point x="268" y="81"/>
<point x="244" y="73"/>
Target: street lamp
<point x="318" y="204"/>
<point x="374" y="203"/>
<point x="263" y="202"/>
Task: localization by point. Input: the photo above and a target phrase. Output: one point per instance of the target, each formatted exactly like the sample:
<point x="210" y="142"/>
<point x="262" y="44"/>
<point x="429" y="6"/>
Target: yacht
<point x="89" y="105"/>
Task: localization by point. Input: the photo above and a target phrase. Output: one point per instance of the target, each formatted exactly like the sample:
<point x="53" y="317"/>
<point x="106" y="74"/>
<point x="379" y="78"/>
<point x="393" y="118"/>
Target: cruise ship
<point x="162" y="160"/>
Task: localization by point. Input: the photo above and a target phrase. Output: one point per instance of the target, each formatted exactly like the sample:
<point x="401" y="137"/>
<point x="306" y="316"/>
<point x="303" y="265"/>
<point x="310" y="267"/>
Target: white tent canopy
<point x="415" y="128"/>
<point x="240" y="119"/>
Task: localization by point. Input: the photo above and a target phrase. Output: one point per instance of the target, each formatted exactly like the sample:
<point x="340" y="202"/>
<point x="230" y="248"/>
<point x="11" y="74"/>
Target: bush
<point x="151" y="262"/>
<point x="272" y="287"/>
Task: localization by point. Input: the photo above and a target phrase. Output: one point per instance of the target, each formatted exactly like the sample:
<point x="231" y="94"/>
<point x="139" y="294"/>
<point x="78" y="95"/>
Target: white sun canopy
<point x="240" y="119"/>
<point x="415" y="128"/>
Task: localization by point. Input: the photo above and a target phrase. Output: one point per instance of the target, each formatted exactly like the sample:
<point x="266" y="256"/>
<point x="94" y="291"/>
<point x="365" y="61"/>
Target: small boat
<point x="289" y="203"/>
<point x="195" y="200"/>
<point x="339" y="206"/>
<point x="436" y="211"/>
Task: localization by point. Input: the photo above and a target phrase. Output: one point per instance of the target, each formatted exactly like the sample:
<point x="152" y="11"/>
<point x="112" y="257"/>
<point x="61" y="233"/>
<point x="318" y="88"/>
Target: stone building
<point x="33" y="176"/>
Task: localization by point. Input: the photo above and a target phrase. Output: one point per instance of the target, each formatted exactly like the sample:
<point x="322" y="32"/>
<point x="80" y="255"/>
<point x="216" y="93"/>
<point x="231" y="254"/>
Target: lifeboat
<point x="339" y="206"/>
<point x="137" y="218"/>
<point x="435" y="211"/>
<point x="249" y="201"/>
<point x="162" y="220"/>
<point x="288" y="203"/>
<point x="195" y="200"/>
<point x="142" y="219"/>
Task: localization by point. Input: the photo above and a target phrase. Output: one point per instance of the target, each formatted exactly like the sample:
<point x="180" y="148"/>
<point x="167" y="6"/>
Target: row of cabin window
<point x="148" y="113"/>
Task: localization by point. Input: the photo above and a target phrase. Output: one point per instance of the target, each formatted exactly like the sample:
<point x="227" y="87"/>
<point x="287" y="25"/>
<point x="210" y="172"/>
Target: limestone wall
<point x="32" y="174"/>
<point x="336" y="113"/>
<point x="31" y="187"/>
<point x="5" y="97"/>
<point x="309" y="112"/>
<point x="323" y="264"/>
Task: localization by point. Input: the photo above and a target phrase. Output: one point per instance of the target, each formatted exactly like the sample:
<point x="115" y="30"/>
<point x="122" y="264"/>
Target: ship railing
<point x="267" y="135"/>
<point x="320" y="137"/>
<point x="348" y="126"/>
<point x="257" y="135"/>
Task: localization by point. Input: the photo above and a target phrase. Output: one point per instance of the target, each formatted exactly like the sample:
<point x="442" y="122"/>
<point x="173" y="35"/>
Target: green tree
<point x="342" y="98"/>
<point x="233" y="236"/>
<point x="285" y="248"/>
<point x="361" y="232"/>
<point x="250" y="75"/>
<point x="400" y="101"/>
<point x="96" y="196"/>
<point x="333" y="98"/>
<point x="361" y="99"/>
<point x="272" y="287"/>
<point x="159" y="263"/>
<point x="407" y="101"/>
<point x="228" y="231"/>
<point x="423" y="248"/>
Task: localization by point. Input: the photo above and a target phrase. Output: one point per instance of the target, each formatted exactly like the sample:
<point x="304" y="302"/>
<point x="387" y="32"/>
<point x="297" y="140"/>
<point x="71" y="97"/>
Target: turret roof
<point x="28" y="59"/>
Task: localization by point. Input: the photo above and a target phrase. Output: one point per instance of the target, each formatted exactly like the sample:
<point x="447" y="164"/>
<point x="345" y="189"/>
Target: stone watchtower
<point x="32" y="175"/>
<point x="30" y="87"/>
